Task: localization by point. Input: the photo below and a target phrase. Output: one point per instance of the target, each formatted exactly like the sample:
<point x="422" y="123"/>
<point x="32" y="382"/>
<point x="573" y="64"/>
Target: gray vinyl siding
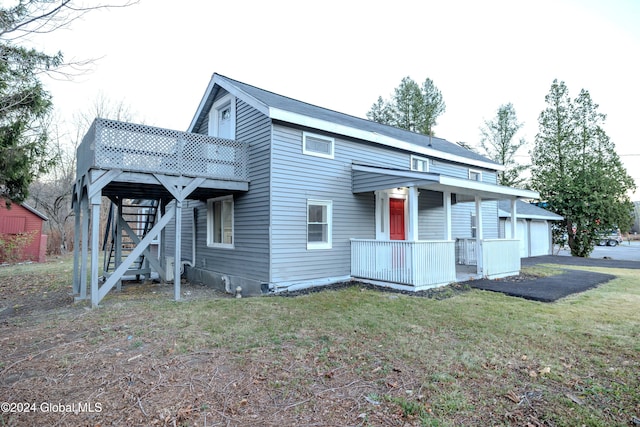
<point x="249" y="257"/>
<point x="431" y="220"/>
<point x="297" y="178"/>
<point x="461" y="171"/>
<point x="461" y="219"/>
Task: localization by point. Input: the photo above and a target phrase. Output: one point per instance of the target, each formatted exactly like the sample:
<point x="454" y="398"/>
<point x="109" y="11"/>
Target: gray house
<point x="268" y="193"/>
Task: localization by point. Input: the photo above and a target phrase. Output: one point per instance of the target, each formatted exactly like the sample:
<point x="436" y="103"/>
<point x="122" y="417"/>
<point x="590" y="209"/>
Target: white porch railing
<point x="466" y="251"/>
<point x="421" y="264"/>
<point x="500" y="257"/>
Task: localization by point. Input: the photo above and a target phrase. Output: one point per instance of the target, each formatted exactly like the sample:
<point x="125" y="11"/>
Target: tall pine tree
<point x="412" y="107"/>
<point x="577" y="171"/>
<point x="498" y="144"/>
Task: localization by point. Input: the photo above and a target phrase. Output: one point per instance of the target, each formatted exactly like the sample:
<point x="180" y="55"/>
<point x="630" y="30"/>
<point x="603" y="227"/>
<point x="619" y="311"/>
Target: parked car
<point x="612" y="238"/>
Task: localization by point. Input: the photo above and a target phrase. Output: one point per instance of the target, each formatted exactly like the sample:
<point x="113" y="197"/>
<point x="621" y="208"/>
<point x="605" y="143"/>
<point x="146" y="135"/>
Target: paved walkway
<point x="552" y="288"/>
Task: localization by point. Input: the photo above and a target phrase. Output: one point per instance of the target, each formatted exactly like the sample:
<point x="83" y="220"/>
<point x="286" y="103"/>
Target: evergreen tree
<point x="24" y="103"/>
<point x="577" y="171"/>
<point x="498" y="144"/>
<point x="412" y="107"/>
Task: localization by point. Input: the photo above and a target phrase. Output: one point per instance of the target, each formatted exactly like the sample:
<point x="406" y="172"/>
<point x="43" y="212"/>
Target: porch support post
<point x="513" y="219"/>
<point x="84" y="257"/>
<point x="479" y="234"/>
<point x="177" y="257"/>
<point x="413" y="214"/>
<point x="76" y="245"/>
<point x="161" y="247"/>
<point x="447" y="214"/>
<point x="95" y="247"/>
<point x="118" y="241"/>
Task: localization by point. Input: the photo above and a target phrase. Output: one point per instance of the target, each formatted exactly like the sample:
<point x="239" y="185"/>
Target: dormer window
<point x="222" y="118"/>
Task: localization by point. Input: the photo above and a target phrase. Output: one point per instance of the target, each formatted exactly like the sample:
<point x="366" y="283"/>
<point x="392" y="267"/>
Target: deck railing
<point x="110" y="144"/>
<point x="421" y="264"/>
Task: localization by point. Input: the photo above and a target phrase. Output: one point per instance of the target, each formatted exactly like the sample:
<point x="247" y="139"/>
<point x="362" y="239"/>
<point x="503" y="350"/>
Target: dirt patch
<point x="435" y="293"/>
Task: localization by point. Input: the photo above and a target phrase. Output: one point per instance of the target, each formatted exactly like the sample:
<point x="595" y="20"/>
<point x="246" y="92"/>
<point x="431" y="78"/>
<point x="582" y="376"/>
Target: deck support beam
<point x="95" y="247"/>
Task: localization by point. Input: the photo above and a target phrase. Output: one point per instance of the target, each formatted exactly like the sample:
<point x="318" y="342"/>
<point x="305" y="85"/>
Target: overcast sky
<point x="159" y="55"/>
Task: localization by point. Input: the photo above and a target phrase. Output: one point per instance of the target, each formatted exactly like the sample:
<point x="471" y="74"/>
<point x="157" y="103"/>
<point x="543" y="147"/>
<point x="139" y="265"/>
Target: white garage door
<point x="540" y="236"/>
<point x="521" y="230"/>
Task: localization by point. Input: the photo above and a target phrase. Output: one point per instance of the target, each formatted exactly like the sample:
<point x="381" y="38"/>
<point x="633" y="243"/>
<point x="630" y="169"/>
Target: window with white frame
<point x="475" y="175"/>
<point x="222" y="118"/>
<point x="317" y="145"/>
<point x="220" y="222"/>
<point x="419" y="164"/>
<point x="319" y="224"/>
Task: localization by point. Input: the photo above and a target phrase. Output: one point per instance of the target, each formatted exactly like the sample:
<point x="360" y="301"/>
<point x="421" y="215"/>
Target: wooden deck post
<point x="76" y="243"/>
<point x="95" y="247"/>
<point x="177" y="263"/>
<point x="84" y="207"/>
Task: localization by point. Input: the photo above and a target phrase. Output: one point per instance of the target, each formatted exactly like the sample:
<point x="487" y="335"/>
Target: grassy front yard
<point x="346" y="357"/>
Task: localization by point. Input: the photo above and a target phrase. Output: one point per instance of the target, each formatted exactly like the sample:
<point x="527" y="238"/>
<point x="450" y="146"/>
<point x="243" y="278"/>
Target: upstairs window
<point x="475" y="175"/>
<point x="317" y="145"/>
<point x="222" y="118"/>
<point x="419" y="164"/>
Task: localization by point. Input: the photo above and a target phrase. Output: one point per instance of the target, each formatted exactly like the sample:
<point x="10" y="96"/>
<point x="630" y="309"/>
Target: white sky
<point x="159" y="55"/>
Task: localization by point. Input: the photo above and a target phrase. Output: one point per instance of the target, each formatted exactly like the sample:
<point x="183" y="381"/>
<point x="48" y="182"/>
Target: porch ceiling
<point x="372" y="178"/>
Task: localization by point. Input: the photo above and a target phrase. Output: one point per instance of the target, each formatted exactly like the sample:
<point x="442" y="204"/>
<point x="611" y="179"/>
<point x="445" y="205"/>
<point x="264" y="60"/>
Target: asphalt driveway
<point x="552" y="288"/>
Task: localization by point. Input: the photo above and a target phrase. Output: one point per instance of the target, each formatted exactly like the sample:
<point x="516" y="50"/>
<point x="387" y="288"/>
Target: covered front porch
<point x="402" y="257"/>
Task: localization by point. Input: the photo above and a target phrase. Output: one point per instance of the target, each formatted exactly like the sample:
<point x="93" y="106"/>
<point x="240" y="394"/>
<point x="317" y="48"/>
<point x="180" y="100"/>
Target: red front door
<point x="396" y="219"/>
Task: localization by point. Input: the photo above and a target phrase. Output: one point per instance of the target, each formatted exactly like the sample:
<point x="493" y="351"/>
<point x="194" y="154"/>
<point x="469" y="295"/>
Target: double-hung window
<point x="220" y="222"/>
<point x="319" y="224"/>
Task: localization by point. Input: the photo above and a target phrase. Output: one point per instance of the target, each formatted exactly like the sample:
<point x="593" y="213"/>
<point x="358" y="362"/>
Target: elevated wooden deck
<point x="132" y="161"/>
<point x="141" y="153"/>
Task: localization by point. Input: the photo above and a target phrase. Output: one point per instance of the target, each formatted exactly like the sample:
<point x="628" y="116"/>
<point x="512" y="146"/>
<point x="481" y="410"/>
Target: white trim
<point x="211" y="223"/>
<point x="382" y="211"/>
<point x="420" y="159"/>
<point x="300" y="119"/>
<point x="329" y="205"/>
<point x="327" y="139"/>
<point x="220" y="104"/>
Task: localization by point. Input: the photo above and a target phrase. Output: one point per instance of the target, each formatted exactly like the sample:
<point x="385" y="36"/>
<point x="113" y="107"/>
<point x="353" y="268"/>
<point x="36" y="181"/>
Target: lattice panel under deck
<point x="134" y="147"/>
